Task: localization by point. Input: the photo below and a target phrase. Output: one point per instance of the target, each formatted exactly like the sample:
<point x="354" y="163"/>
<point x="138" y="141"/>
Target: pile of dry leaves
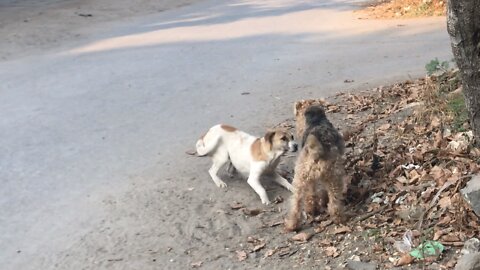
<point x="406" y="162"/>
<point x="406" y="8"/>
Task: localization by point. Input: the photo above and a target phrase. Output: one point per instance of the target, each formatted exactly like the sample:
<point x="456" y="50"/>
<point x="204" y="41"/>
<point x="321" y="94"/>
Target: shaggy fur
<point x="299" y="111"/>
<point x="319" y="164"/>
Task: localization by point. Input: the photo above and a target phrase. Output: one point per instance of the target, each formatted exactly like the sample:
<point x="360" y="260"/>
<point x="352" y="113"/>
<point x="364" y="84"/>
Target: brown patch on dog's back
<point x="257" y="151"/>
<point x="228" y="128"/>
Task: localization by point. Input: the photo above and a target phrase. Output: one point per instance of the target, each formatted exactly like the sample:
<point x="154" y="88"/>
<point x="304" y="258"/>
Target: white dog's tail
<point x="208" y="142"/>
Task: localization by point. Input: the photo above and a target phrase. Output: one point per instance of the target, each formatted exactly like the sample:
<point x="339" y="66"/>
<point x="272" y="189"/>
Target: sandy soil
<point x="31" y="26"/>
<point x="171" y="216"/>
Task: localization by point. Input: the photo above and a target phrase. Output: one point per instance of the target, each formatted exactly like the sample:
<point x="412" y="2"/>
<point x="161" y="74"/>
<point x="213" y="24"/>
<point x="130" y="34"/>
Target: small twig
<point x="368" y="215"/>
<point x="459" y="182"/>
<point x="455" y="244"/>
<point x="433" y="203"/>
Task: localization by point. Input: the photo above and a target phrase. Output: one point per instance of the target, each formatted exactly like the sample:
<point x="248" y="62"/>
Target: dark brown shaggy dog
<point x="319" y="164"/>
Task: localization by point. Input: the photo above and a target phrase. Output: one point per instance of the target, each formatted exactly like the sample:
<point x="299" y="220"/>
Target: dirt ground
<point x="29" y="26"/>
<point x="149" y="229"/>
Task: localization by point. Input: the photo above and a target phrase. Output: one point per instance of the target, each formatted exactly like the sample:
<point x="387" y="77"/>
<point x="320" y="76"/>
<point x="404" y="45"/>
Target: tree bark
<point x="463" y="24"/>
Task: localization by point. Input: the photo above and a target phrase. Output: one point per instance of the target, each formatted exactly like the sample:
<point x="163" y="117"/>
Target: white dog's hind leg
<point x="218" y="162"/>
<point x="282" y="181"/>
<point x="254" y="182"/>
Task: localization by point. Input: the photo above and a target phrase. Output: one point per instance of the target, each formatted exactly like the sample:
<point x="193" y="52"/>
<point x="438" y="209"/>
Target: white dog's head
<point x="281" y="140"/>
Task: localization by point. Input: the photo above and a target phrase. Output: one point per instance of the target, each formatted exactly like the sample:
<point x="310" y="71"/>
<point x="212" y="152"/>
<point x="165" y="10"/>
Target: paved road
<point x="78" y="127"/>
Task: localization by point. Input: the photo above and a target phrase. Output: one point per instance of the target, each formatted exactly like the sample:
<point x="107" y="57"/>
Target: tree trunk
<point x="463" y="24"/>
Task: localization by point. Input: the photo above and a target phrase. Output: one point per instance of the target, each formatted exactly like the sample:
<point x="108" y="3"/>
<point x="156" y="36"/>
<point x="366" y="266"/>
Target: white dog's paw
<point x="266" y="201"/>
<point x="221" y="184"/>
<point x="290" y="188"/>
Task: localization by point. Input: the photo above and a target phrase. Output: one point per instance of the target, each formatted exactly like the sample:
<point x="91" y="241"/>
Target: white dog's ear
<point x="269" y="136"/>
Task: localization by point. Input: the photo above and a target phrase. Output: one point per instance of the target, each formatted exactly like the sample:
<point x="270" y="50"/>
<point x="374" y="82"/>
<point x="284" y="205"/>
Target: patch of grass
<point x="435" y="66"/>
<point x="458" y="110"/>
<point x="375" y="233"/>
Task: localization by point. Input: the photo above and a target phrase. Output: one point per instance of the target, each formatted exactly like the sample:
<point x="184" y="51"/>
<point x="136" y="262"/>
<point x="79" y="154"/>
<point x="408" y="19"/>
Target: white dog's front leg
<point x="254" y="182"/>
<point x="282" y="181"/>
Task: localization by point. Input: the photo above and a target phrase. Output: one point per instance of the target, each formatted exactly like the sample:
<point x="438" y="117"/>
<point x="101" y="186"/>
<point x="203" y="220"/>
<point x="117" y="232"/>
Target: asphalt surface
<point x="77" y="125"/>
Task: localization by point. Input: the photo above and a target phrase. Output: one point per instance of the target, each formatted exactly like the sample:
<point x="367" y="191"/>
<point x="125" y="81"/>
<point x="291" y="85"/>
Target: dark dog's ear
<point x="269" y="136"/>
<point x="297" y="106"/>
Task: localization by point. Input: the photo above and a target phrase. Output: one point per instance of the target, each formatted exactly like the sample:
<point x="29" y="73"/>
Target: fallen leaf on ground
<point x="404" y="260"/>
<point x="341" y="229"/>
<point x="191" y="152"/>
<point x="236" y="205"/>
<point x="258" y="247"/>
<point x="332" y="252"/>
<point x="276" y="223"/>
<point x="269" y="253"/>
<point x="384" y="127"/>
<point x="196" y="264"/>
<point x="287" y="252"/>
<point x="278" y="199"/>
<point x="302" y="237"/>
<point x="251" y="212"/>
<point x="241" y="255"/>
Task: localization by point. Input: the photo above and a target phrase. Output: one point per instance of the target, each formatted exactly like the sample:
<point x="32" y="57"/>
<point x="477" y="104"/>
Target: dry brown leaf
<point x="438" y="234"/>
<point x="438" y="139"/>
<point x="332" y="252"/>
<point x="326" y="223"/>
<point x="251" y="212"/>
<point x="286" y="251"/>
<point x="341" y="229"/>
<point x="384" y="127"/>
<point x="427" y="194"/>
<point x="191" y="152"/>
<point x="435" y="122"/>
<point x="196" y="264"/>
<point x="258" y="247"/>
<point x="278" y="199"/>
<point x="404" y="260"/>
<point x="402" y="179"/>
<point x="444" y="221"/>
<point x="437" y="172"/>
<point x="450" y="238"/>
<point x="252" y="239"/>
<point x="269" y="253"/>
<point x="241" y="255"/>
<point x="333" y="109"/>
<point x="444" y="202"/>
<point x="302" y="237"/>
<point x="413" y="176"/>
<point x="236" y="205"/>
<point x="276" y="223"/>
<point x="325" y="242"/>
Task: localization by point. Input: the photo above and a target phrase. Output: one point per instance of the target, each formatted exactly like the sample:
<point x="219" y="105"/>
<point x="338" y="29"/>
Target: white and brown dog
<point x="249" y="155"/>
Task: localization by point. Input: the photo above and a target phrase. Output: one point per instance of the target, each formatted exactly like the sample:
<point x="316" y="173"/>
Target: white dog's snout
<point x="293" y="146"/>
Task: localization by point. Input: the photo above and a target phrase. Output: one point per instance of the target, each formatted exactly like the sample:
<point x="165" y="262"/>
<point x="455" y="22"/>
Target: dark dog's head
<point x="281" y="140"/>
<point x="299" y="109"/>
<point x="314" y="115"/>
<point x="325" y="134"/>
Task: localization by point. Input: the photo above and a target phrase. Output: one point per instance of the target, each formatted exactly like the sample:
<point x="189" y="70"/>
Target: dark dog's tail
<point x="208" y="142"/>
